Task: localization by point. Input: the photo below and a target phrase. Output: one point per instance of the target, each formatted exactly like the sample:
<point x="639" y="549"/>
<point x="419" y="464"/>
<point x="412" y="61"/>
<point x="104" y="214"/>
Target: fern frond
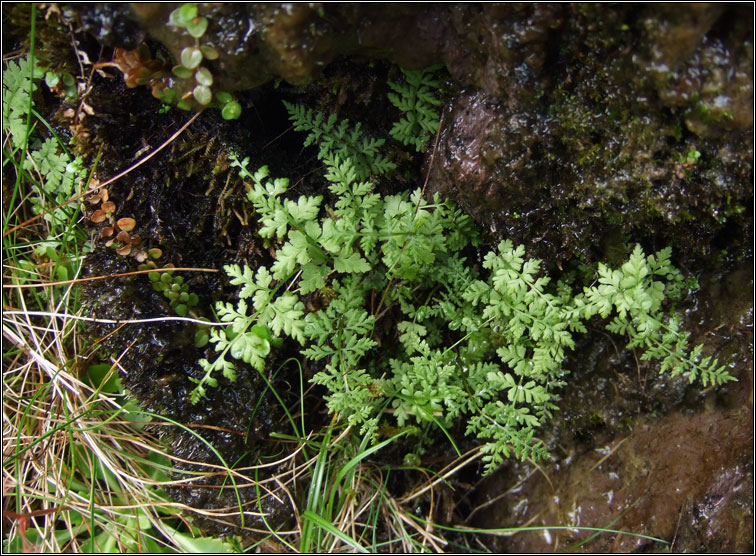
<point x="341" y="141"/>
<point x="417" y="97"/>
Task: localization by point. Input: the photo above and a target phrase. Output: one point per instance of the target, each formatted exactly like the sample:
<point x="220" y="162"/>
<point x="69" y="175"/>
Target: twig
<point x="89" y="190"/>
<point x="108" y="276"/>
<point x="109" y="321"/>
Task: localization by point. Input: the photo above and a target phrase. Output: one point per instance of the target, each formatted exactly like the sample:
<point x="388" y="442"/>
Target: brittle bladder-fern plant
<point x="487" y="347"/>
<point x="416" y="95"/>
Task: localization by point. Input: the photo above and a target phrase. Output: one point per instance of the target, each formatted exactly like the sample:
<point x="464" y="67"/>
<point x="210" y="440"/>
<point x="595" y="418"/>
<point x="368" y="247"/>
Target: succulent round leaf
<point x="231" y="111"/>
<point x="209" y="52"/>
<point x="126" y="224"/>
<point x="201" y="338"/>
<point x="182" y="72"/>
<point x="187" y="12"/>
<point x="203" y="94"/>
<point x="191" y="57"/>
<point x="203" y="77"/>
<point x="176" y="18"/>
<point x="197" y="27"/>
<point x="223" y="97"/>
<point x="52" y="79"/>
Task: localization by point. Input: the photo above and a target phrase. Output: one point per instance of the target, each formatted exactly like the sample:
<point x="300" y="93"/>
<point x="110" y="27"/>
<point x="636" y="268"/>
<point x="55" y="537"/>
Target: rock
<point x="597" y="135"/>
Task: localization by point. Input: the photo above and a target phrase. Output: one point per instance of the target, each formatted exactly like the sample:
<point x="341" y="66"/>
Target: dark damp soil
<point x="562" y="133"/>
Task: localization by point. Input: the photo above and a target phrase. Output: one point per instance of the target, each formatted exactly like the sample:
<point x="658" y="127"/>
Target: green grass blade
<point x="314" y="518"/>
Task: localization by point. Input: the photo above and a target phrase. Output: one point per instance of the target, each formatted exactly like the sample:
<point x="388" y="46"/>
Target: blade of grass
<point x="314" y="497"/>
<point x="315" y="519"/>
<point x="510" y="530"/>
<point x="350" y="465"/>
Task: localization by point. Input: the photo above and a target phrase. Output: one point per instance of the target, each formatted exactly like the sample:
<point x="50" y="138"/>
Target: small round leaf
<point x="176" y="18"/>
<point x="126" y="224"/>
<point x="209" y="52"/>
<point x="197" y="27"/>
<point x="188" y="12"/>
<point x="231" y="111"/>
<point x="223" y="97"/>
<point x="201" y="337"/>
<point x="202" y="94"/>
<point x="204" y="77"/>
<point x="191" y="57"/>
<point x="52" y="79"/>
<point x="182" y="72"/>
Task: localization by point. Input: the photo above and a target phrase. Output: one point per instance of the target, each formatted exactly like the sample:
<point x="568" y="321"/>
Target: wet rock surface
<point x="569" y="117"/>
<point x="594" y="138"/>
<point x="643" y="454"/>
<point x="569" y="128"/>
<point x="656" y="481"/>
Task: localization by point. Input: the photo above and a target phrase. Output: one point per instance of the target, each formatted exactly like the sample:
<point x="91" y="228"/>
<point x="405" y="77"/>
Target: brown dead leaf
<point x="126" y="224"/>
<point x="123" y="237"/>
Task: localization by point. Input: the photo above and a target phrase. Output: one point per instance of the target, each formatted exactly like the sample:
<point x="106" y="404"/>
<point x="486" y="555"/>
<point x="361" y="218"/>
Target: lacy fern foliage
<point x="337" y="139"/>
<point x="18" y="87"/>
<point x="417" y="97"/>
<point x="486" y="347"/>
<point x="54" y="172"/>
<point x="633" y="294"/>
<point x="408" y="330"/>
